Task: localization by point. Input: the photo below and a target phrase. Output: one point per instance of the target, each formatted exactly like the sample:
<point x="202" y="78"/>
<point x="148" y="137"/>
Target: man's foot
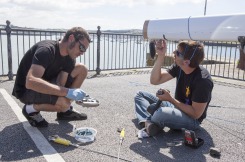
<point x="71" y="114"/>
<point x="88" y="102"/>
<point x="35" y="118"/>
<point x="151" y="128"/>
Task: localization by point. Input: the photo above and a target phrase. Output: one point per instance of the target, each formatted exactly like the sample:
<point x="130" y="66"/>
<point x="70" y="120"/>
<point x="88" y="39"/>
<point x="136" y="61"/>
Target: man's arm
<point x="36" y="83"/>
<point x="194" y="111"/>
<point x="158" y="76"/>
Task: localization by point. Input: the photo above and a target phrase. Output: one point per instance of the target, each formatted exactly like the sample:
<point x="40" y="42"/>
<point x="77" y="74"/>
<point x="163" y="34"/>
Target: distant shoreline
<point x="220" y="44"/>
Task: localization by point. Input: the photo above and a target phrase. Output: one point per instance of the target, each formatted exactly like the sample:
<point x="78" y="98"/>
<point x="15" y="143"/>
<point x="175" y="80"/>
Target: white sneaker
<point x="88" y="102"/>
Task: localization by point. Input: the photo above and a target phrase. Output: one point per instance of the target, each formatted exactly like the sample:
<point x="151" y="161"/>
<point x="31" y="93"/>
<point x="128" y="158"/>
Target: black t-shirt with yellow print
<point x="196" y="86"/>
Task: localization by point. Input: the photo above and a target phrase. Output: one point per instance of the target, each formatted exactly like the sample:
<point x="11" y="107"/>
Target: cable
<point x="233" y="122"/>
<point x="189" y="27"/>
<point x="218" y="106"/>
<point x="226" y="130"/>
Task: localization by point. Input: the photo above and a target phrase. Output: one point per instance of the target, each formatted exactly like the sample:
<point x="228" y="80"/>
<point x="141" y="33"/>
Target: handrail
<point x="115" y="51"/>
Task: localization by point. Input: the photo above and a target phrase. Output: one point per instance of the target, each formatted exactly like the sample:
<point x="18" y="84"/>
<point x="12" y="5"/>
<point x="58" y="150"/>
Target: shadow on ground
<point x="16" y="144"/>
<point x="168" y="146"/>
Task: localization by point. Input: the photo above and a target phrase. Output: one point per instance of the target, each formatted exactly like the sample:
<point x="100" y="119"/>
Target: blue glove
<point x="75" y="94"/>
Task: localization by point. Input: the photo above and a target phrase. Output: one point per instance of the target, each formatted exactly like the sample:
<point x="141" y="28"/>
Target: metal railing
<point x="114" y="51"/>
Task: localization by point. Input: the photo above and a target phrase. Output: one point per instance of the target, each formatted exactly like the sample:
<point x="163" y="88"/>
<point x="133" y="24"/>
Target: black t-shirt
<point x="47" y="54"/>
<point x="196" y="86"/>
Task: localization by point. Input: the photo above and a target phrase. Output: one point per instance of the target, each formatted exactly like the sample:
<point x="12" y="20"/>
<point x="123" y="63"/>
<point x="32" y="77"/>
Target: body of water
<point x="116" y="52"/>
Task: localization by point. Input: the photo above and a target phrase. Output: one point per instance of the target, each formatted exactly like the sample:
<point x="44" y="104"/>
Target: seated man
<point x="192" y="95"/>
<point x="48" y="78"/>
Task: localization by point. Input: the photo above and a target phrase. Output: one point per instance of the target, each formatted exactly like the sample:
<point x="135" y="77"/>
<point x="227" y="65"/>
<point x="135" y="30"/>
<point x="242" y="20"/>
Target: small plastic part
<point x="215" y="152"/>
<point x="174" y="143"/>
<point x="119" y="130"/>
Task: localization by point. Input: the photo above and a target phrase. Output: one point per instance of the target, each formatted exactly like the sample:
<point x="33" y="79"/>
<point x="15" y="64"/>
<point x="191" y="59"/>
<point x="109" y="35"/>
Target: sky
<point x="108" y="14"/>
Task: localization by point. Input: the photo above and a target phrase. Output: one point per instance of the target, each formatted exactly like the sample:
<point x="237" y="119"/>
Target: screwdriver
<point x="122" y="135"/>
<point x="62" y="141"/>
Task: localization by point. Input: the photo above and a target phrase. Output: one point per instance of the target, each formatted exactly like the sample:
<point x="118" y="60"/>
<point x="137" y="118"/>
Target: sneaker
<point x="88" y="102"/>
<point x="151" y="128"/>
<point x="141" y="124"/>
<point x="35" y="118"/>
<point x="71" y="114"/>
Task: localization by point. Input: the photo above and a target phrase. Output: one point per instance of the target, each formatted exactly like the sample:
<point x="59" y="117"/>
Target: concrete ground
<point x="224" y="128"/>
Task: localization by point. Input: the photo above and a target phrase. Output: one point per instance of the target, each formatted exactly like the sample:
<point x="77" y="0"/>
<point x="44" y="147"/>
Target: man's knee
<point x="138" y="95"/>
<point x="80" y="69"/>
<point x="77" y="76"/>
<point x="163" y="114"/>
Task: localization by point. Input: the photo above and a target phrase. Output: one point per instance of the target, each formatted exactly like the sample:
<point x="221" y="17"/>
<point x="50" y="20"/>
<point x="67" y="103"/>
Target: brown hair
<point x="193" y="51"/>
<point x="78" y="32"/>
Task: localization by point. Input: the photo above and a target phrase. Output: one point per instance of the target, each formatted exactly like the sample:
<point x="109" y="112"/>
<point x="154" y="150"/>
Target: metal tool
<point x="153" y="107"/>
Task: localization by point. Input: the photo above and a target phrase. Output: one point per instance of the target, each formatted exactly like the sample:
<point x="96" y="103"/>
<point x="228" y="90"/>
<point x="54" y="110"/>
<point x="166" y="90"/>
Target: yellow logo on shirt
<point x="187" y="92"/>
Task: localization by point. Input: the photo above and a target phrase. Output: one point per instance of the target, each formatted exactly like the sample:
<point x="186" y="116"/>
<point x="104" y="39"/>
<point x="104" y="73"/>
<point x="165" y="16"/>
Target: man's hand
<point x="75" y="94"/>
<point x="161" y="47"/>
<point x="165" y="96"/>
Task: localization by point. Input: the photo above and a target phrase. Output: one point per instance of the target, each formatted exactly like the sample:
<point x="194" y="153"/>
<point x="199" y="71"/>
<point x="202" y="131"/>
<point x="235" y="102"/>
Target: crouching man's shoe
<point x="35" y="119"/>
<point x="71" y="114"/>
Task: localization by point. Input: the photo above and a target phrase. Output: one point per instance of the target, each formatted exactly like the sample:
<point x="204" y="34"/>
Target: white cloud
<point x="81" y="4"/>
<point x="109" y="14"/>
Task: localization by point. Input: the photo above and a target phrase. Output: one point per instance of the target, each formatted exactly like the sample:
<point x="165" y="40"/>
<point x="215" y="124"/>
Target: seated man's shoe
<point x="35" y="118"/>
<point x="141" y="124"/>
<point x="71" y="114"/>
<point x="88" y="102"/>
<point x="151" y="128"/>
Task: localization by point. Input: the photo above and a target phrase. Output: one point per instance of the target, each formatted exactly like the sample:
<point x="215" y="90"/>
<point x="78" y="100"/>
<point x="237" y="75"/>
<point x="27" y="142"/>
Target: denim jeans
<point x="165" y="116"/>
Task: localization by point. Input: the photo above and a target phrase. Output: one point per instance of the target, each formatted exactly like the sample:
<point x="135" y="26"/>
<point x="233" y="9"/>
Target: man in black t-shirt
<point x="48" y="78"/>
<point x="192" y="95"/>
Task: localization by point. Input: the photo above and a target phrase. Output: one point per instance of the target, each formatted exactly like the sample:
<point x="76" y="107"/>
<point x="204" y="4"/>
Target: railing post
<point x="8" y="31"/>
<point x="98" y="70"/>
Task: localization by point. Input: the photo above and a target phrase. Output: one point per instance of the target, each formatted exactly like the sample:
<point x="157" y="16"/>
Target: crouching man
<point x="48" y="79"/>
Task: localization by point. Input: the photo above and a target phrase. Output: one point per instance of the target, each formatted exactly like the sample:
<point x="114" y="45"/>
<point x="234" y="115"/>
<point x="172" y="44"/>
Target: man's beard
<point x="72" y="45"/>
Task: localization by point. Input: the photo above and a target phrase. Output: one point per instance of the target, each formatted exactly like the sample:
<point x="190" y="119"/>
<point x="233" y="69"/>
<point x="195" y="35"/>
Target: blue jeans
<point x="166" y="116"/>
